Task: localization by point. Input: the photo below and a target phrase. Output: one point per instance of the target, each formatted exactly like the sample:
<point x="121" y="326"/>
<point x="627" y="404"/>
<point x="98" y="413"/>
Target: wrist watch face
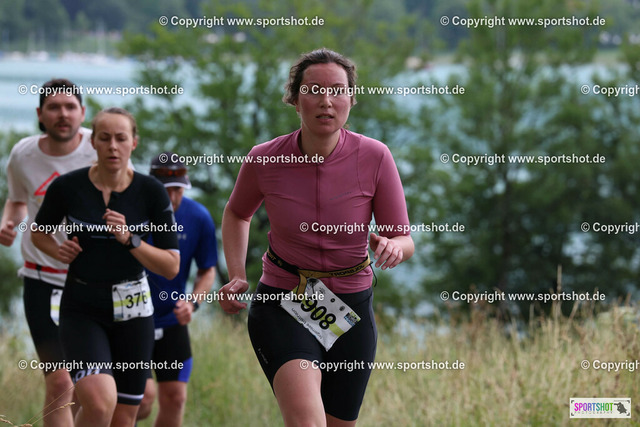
<point x="135" y="241"/>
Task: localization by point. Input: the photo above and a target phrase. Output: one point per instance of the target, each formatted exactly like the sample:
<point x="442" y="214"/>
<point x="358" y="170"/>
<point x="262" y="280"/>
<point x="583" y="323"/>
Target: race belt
<point x="43" y="268"/>
<point x="305" y="274"/>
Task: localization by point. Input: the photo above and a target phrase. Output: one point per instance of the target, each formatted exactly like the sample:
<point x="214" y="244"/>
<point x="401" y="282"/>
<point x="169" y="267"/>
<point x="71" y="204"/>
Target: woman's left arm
<point x="390" y="251"/>
<point x="390" y="208"/>
<point x="165" y="262"/>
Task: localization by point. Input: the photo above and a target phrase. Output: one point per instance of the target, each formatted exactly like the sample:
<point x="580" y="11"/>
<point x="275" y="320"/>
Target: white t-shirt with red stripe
<point x="29" y="174"/>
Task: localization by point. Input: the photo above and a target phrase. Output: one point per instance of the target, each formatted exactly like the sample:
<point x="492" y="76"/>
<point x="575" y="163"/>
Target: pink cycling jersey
<point x="320" y="212"/>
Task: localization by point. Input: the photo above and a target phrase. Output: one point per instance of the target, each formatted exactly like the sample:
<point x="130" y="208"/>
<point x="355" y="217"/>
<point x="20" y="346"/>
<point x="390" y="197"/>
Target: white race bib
<point x="56" y="296"/>
<point x="131" y="300"/>
<point x="319" y="310"/>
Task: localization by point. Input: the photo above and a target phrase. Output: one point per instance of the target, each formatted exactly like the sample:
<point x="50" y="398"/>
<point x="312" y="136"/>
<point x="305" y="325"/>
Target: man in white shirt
<point x="34" y="163"/>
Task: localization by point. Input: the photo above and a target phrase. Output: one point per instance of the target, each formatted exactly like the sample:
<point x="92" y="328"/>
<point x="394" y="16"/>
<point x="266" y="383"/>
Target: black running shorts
<point x="95" y="344"/>
<point x="37" y="308"/>
<point x="172" y="354"/>
<point x="278" y="338"/>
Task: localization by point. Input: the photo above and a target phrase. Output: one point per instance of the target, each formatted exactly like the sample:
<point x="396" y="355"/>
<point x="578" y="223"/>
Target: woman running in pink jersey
<point x="320" y="185"/>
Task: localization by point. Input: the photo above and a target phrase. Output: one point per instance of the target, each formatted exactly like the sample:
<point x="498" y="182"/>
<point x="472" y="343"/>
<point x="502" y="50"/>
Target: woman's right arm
<point x="235" y="240"/>
<point x="66" y="252"/>
<point x="52" y="211"/>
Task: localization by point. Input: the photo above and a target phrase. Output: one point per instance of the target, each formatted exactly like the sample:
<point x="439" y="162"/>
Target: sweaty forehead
<point x="325" y="74"/>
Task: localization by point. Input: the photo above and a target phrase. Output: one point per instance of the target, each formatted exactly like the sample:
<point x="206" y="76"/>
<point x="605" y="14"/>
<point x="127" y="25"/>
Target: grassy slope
<point x="506" y="380"/>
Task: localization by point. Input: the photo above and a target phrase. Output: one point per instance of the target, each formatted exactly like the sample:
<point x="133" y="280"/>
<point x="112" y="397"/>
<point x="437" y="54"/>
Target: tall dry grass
<point x="511" y="376"/>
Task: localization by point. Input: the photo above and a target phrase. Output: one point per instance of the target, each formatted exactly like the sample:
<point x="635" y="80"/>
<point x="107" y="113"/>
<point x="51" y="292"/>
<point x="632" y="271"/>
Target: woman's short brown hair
<point x="318" y="56"/>
<point x="115" y="110"/>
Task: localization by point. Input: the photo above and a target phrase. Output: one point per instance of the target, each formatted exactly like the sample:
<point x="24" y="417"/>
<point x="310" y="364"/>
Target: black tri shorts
<point x="38" y="299"/>
<point x="278" y="338"/>
<point x="95" y="344"/>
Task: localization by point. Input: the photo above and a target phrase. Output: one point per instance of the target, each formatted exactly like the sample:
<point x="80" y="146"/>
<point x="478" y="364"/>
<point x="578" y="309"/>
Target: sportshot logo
<point x="498" y="296"/>
<point x="334" y="91"/>
<point x="221" y="21"/>
<point x="492" y="159"/>
<point x="246" y="297"/>
<point x="600" y="407"/>
<point x="404" y="366"/>
<point x="81" y="90"/>
<point x="610" y="91"/>
<point x="611" y="366"/>
<point x="503" y="21"/>
<point x="76" y="227"/>
<point x="598" y="227"/>
<point x="88" y="368"/>
<point x="351" y="228"/>
<point x="212" y="159"/>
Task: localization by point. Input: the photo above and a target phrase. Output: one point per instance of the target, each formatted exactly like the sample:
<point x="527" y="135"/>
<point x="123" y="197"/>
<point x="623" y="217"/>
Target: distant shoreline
<point x="602" y="56"/>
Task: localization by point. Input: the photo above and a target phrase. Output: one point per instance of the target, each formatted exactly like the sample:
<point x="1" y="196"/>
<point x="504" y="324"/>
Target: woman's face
<point x="113" y="141"/>
<point x="324" y="99"/>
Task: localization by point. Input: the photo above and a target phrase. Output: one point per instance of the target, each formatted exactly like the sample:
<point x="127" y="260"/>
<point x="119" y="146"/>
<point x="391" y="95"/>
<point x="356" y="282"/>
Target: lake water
<point x="17" y="111"/>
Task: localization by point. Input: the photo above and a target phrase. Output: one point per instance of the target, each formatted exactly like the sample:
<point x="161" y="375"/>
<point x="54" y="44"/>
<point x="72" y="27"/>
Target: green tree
<point x="12" y="23"/>
<point x="236" y="73"/>
<point x="523" y="96"/>
<point x="35" y="24"/>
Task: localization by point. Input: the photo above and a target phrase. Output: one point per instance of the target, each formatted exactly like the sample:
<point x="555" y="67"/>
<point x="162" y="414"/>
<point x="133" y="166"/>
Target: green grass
<point x="507" y="380"/>
<point x="21" y="391"/>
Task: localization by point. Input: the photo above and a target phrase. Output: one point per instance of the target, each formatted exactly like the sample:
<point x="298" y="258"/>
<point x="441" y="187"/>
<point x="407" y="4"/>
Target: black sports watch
<point x="196" y="305"/>
<point x="134" y="241"/>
